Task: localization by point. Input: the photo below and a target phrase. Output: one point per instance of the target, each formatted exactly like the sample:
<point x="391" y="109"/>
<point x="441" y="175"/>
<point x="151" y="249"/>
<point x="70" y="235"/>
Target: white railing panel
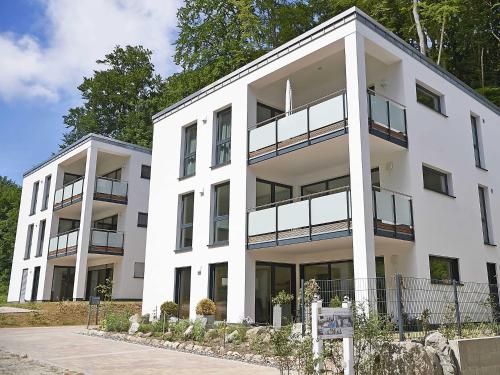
<point x="262" y="136"/>
<point x="78" y="187"/>
<point x="293" y="215"/>
<point x="72" y="238"/>
<point x="397" y="117"/>
<point x="379" y="110"/>
<point x="403" y="210"/>
<point x="262" y="221"/>
<point x="384" y="206"/>
<point x="103" y="186"/>
<point x="292" y="125"/>
<point x="68" y="192"/>
<point x="329" y="208"/>
<point x="326" y="113"/>
<point x="63" y="241"/>
<point x="99" y="238"/>
<point x="115" y="239"/>
<point x="53" y="244"/>
<point x="58" y="197"/>
<point x="119" y="188"/>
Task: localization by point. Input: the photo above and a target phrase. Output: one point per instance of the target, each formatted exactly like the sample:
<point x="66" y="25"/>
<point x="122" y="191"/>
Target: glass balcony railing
<point x="107" y="189"/>
<point x="387" y="119"/>
<point x="106" y="242"/>
<point x="326" y="215"/>
<point x="63" y="244"/>
<point x="314" y="122"/>
<point x="68" y="194"/>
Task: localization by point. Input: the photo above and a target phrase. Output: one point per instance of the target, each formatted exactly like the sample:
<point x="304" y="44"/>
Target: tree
<point x="10" y="196"/>
<point x="119" y="100"/>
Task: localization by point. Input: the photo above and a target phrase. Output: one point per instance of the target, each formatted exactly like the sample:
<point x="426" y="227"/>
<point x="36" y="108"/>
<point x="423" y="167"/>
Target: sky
<point x="48" y="46"/>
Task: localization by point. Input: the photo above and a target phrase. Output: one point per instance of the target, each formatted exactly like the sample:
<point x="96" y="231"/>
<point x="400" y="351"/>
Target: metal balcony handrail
<point x="110" y="179"/>
<point x="373" y="92"/>
<point x="67" y="232"/>
<point x="106" y="230"/>
<point x="71" y="183"/>
<point x="391" y="191"/>
<point x="299" y="108"/>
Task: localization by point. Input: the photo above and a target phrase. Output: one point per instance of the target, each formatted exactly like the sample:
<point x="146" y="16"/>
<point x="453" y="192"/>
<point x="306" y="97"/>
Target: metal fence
<point x="416" y="306"/>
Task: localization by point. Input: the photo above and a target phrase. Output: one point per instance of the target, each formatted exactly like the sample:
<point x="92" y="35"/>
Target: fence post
<point x="399" y="304"/>
<point x="317" y="343"/>
<point x="457" y="308"/>
<point x="302" y="307"/>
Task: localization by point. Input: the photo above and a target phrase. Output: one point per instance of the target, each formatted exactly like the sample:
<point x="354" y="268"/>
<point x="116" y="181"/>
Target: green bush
<point x="116" y="322"/>
<point x="169" y="309"/>
<point x="178" y="328"/>
<point x="335" y="302"/>
<point x="206" y="307"/>
<point x="282" y="298"/>
<point x="198" y="331"/>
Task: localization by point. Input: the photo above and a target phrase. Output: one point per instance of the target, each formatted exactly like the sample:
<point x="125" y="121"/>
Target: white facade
<point x="96" y="178"/>
<point x="330" y="69"/>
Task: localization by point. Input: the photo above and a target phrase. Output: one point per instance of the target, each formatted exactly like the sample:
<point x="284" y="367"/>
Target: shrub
<point x="282" y="298"/>
<point x="169" y="309"/>
<point x="335" y="302"/>
<point x="178" y="328"/>
<point x="283" y="348"/>
<point x="105" y="290"/>
<point x="116" y="322"/>
<point x="205" y="307"/>
<point x="198" y="331"/>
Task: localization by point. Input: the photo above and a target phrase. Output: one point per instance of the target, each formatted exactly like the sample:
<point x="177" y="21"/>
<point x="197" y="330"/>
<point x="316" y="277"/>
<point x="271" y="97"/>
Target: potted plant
<point x="282" y="308"/>
<point x="205" y="309"/>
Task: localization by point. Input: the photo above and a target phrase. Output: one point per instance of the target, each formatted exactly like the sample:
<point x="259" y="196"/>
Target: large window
<point x="483" y="204"/>
<point x="223" y="137"/>
<point x="63" y="280"/>
<point x="186" y="221"/>
<point x="183" y="291"/>
<point x="107" y="223"/>
<point x="139" y="270"/>
<point x="41" y="238"/>
<point x="142" y="219"/>
<point x="435" y="180"/>
<point x="336" y="183"/>
<point x="70" y="177"/>
<point x="46" y="192"/>
<point x="218" y="289"/>
<point x="66" y="225"/>
<point x="189" y="160"/>
<point x="428" y="98"/>
<point x="34" y="197"/>
<point x="146" y="171"/>
<point x="265" y="112"/>
<point x="270" y="192"/>
<point x="476" y="141"/>
<point x="114" y="175"/>
<point x="29" y="241"/>
<point x="443" y="270"/>
<point x="221" y="213"/>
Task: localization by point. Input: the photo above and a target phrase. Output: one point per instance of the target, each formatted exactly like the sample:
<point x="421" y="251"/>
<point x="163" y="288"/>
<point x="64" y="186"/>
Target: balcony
<point x="109" y="190"/>
<point x="106" y="242"/>
<point x="63" y="244"/>
<point x="68" y="194"/>
<point x="326" y="215"/>
<point x="387" y="119"/>
<point x="311" y="123"/>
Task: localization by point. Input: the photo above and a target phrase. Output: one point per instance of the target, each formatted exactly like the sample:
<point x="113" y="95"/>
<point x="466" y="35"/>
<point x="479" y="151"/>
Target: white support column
<point x="360" y="166"/>
<point x="85" y="225"/>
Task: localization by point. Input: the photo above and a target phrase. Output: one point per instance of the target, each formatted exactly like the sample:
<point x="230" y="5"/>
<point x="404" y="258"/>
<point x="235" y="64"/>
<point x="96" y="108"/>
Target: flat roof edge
<point x="325" y="27"/>
<point x="87" y="138"/>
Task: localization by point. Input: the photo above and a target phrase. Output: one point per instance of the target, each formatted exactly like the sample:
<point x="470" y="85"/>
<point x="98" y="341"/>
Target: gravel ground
<point x="14" y="364"/>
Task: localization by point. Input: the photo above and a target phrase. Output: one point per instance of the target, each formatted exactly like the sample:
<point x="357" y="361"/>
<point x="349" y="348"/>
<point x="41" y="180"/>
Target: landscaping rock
<point x="446" y="356"/>
<point x="415" y="360"/>
<point x="188" y="347"/>
<point x="173" y="319"/>
<point x="133" y="328"/>
<point x="167" y="335"/>
<point x="254" y="332"/>
<point x="148" y="334"/>
<point x="232" y="336"/>
<point x="189" y="331"/>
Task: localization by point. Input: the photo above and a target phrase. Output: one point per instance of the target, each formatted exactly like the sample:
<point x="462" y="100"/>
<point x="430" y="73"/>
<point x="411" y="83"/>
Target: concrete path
<point x="13" y="310"/>
<point x="65" y="348"/>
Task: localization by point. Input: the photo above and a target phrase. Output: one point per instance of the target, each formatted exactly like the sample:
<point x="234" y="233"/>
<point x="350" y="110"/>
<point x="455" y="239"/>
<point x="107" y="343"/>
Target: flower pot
<point x="208" y="320"/>
<point x="277" y="315"/>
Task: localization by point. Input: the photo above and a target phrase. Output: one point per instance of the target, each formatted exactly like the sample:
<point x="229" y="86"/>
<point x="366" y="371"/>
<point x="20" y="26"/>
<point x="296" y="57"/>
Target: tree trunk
<point x="482" y="68"/>
<point x="441" y="38"/>
<point x="416" y="17"/>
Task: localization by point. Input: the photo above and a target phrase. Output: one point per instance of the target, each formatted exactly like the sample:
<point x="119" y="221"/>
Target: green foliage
<point x="116" y="322"/>
<point x="206" y="307"/>
<point x="178" y="328"/>
<point x="282" y="298"/>
<point x="10" y="195"/>
<point x="449" y="325"/>
<point x="198" y="331"/>
<point x="425" y="320"/>
<point x="335" y="302"/>
<point x="169" y="309"/>
<point x="105" y="290"/>
<point x="155" y="327"/>
<point x="282" y="348"/>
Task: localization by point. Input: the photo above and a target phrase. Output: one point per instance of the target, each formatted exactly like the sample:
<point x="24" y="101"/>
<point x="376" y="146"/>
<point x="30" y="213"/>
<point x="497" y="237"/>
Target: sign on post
<point x="94" y="301"/>
<point x="335" y="323"/>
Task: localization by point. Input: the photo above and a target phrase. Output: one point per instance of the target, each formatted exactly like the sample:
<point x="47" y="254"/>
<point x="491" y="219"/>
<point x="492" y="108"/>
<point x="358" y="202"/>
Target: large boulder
<point x="232" y="336"/>
<point x="252" y="333"/>
<point x="446" y="356"/>
<point x="414" y="359"/>
<point x="189" y="331"/>
<point x="134" y="324"/>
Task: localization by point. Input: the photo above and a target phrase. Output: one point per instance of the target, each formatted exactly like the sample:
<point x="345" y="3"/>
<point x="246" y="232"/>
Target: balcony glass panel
<point x="384" y="206"/>
<point x="53" y="244"/>
<point x="78" y="187"/>
<point x="58" y="196"/>
<point x="104" y="186"/>
<point x="262" y="136"/>
<point x="99" y="238"/>
<point x="262" y="221"/>
<point x="72" y="238"/>
<point x="293" y="215"/>
<point x="326" y="113"/>
<point x="397" y="116"/>
<point x="379" y="110"/>
<point x="119" y="188"/>
<point x="329" y="208"/>
<point x="403" y="210"/>
<point x="292" y="125"/>
<point x="63" y="241"/>
<point x="68" y="192"/>
<point x="115" y="239"/>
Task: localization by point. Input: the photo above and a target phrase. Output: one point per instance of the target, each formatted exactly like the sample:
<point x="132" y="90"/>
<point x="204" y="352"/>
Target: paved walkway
<point x="64" y="347"/>
<point x="13" y="310"/>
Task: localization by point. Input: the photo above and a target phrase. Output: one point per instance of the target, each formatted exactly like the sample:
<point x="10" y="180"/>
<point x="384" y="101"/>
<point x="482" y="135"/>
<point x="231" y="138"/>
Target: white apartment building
<point x="82" y="220"/>
<point x="342" y="154"/>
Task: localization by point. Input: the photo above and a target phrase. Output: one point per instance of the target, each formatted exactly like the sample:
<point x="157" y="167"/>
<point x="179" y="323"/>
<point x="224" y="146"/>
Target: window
<point x="443" y="270"/>
<point x="484" y="214"/>
<point x="183" y="291"/>
<point x="66" y="225"/>
<point x="41" y="238"/>
<point x="221" y="213"/>
<point x="139" y="270"/>
<point x="189" y="162"/>
<point x="270" y="192"/>
<point x="113" y="175"/>
<point x="29" y="240"/>
<point x="70" y="177"/>
<point x="34" y="196"/>
<point x="186" y="221"/>
<point x="476" y="142"/>
<point x="428" y="98"/>
<point x="142" y="219"/>
<point x="46" y="192"/>
<point x="107" y="223"/>
<point x="146" y="172"/>
<point x="218" y="289"/>
<point x="223" y="137"/>
<point x="265" y="112"/>
<point x="435" y="180"/>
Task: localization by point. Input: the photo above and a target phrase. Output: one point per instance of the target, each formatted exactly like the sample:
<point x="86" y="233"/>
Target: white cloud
<point x="77" y="34"/>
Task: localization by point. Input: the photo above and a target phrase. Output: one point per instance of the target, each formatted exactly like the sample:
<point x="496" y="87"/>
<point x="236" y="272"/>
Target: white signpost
<point x="330" y="323"/>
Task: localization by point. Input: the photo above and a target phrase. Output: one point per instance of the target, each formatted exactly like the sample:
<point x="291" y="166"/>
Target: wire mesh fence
<point x="416" y="306"/>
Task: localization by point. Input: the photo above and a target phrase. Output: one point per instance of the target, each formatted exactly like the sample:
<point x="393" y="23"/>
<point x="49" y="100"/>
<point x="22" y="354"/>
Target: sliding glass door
<point x="218" y="289"/>
<point x="183" y="290"/>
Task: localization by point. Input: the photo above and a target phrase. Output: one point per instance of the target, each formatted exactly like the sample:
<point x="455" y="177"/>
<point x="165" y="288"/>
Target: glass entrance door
<point x="270" y="279"/>
<point x="183" y="290"/>
<point x="218" y="289"/>
<point x="62" y="283"/>
<point x="97" y="276"/>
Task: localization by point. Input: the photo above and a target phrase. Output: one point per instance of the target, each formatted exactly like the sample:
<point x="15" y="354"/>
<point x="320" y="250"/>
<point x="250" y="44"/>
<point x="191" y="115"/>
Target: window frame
<point x="46" y="192"/>
<point x="484" y="211"/>
<point x="100" y="221"/>
<point x="185" y="155"/>
<point x="476" y="142"/>
<point x="41" y="237"/>
<point x="439" y="173"/>
<point x="275" y="112"/>
<point x="218" y="218"/>
<point x="273" y="189"/>
<point x="453" y="267"/>
<point x="146" y="176"/>
<point x="114" y="173"/>
<point x="212" y="282"/>
<point x="135" y="270"/>
<point x="34" y="197"/>
<point x="29" y="241"/>
<point x="183" y="226"/>
<point x="139" y="215"/>
<point x="420" y="89"/>
<point x="222" y="142"/>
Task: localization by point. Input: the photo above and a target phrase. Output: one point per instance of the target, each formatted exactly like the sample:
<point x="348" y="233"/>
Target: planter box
<point x="208" y="319"/>
<point x="282" y="315"/>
